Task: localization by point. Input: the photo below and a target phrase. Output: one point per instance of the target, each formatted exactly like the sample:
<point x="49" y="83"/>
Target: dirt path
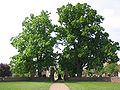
<point x="58" y="86"/>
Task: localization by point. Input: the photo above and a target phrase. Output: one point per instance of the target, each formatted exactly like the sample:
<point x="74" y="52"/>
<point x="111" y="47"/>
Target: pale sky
<point x="13" y="12"/>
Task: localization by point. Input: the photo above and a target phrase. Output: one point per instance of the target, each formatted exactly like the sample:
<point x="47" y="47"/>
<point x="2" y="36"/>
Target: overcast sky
<point x="13" y="12"/>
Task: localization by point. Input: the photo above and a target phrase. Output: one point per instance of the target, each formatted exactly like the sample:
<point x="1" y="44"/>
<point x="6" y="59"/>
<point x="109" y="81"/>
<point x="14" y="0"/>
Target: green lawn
<point x="71" y="85"/>
<point x="24" y="85"/>
<point x="93" y="86"/>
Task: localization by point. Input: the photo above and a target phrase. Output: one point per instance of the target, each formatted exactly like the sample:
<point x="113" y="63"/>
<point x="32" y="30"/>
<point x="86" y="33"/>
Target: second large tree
<point x="86" y="43"/>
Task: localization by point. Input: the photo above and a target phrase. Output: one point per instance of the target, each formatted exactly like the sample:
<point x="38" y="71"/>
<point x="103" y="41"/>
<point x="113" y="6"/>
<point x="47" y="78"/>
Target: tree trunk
<point x="32" y="73"/>
<point x="52" y="74"/>
<point x="39" y="66"/>
<point x="79" y="69"/>
<point x="39" y="73"/>
<point x="66" y="74"/>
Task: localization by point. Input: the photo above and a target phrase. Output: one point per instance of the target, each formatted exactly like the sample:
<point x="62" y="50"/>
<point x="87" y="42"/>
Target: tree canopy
<point x="34" y="44"/>
<point x="86" y="44"/>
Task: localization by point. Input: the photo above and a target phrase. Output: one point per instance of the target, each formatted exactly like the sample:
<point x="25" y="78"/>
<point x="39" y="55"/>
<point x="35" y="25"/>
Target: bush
<point x="5" y="70"/>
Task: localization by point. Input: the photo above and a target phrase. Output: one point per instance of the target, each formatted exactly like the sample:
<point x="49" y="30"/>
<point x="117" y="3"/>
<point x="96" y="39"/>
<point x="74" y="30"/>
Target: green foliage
<point x="111" y="69"/>
<point x="22" y="66"/>
<point x="34" y="44"/>
<point x="59" y="71"/>
<point x="80" y="32"/>
<point x="86" y="43"/>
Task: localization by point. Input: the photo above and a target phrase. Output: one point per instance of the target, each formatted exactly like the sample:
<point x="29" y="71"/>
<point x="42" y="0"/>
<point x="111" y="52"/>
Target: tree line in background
<point x="110" y="70"/>
<point x="86" y="44"/>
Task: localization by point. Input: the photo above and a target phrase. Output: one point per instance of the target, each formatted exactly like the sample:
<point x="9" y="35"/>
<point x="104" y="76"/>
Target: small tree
<point x="111" y="69"/>
<point x="5" y="70"/>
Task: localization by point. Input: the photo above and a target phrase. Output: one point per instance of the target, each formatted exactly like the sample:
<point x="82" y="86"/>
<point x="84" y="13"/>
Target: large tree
<point x="34" y="44"/>
<point x="85" y="41"/>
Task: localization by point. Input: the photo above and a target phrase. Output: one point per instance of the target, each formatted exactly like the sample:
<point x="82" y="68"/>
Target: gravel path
<point x="58" y="86"/>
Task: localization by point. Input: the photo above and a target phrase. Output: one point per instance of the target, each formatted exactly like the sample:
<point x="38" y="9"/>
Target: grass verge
<point x="24" y="85"/>
<point x="93" y="85"/>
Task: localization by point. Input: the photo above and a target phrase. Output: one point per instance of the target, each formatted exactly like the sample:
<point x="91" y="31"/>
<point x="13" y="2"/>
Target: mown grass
<point x="24" y="85"/>
<point x="71" y="85"/>
<point x="93" y="86"/>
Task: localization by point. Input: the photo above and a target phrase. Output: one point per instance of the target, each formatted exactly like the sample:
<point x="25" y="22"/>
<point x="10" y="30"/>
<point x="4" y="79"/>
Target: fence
<point x="104" y="79"/>
<point x="24" y="79"/>
<point x="107" y="79"/>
